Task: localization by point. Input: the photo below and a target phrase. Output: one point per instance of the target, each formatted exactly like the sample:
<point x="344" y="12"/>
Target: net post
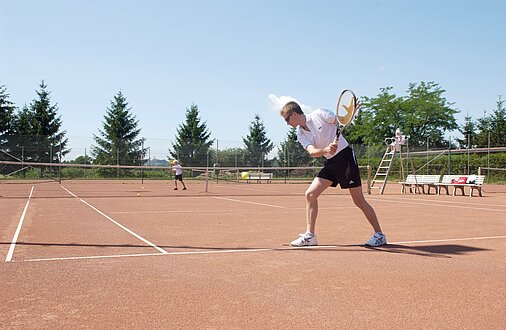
<point x="369" y="179"/>
<point x="207" y="180"/>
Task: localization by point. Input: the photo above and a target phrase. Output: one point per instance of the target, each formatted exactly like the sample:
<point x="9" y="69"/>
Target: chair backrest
<point x="449" y="177"/>
<point x="430" y="178"/>
<point x="478" y="179"/>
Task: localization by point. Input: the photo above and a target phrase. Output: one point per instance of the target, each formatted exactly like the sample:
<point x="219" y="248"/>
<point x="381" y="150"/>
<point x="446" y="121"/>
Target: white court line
<point x="247" y="202"/>
<point x="232" y="211"/>
<point x="18" y="230"/>
<point x="450" y="240"/>
<point x="447" y="201"/>
<point x="117" y="223"/>
<point x="441" y="205"/>
<point x="263" y="249"/>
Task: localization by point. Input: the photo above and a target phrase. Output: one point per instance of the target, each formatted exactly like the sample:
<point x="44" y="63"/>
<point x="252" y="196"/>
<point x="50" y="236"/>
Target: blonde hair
<point x="290" y="108"/>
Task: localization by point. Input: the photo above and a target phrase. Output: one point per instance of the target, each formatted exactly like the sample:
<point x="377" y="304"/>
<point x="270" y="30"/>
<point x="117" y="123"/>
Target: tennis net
<point x="202" y="180"/>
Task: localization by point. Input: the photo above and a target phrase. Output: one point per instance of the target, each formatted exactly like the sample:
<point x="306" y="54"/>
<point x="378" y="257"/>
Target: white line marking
<point x="18" y="230"/>
<point x="260" y="249"/>
<point x="231" y="211"/>
<point x="435" y="204"/>
<point x="247" y="202"/>
<point x="450" y="240"/>
<point x="118" y="224"/>
<point x="456" y="200"/>
<point x="158" y="254"/>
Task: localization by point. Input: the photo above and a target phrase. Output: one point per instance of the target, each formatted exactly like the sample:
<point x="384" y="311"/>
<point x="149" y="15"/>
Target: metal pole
<point x="449" y="154"/>
<point x="142" y="161"/>
<point x="488" y="154"/>
<point x="427" y="158"/>
<point x="468" y="152"/>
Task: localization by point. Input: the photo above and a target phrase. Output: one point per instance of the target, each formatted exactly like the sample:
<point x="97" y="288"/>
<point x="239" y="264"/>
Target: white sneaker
<point x="377" y="239"/>
<point x="305" y="239"/>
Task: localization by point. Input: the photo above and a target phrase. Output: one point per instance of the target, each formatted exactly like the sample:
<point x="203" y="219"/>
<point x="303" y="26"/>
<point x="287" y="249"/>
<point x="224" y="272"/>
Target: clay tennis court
<point x="96" y="255"/>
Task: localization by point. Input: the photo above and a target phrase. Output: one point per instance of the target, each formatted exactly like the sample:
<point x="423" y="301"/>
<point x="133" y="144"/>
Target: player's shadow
<point x="103" y="245"/>
<point x="433" y="251"/>
<point x="437" y="251"/>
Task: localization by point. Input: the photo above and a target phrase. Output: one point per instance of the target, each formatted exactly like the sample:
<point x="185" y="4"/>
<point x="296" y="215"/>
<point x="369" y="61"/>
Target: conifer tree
<point x="257" y="144"/>
<point x="468" y="131"/>
<point x="6" y="112"/>
<point x="291" y="153"/>
<point x="117" y="143"/>
<point x="192" y="140"/>
<point x="7" y="109"/>
<point x="493" y="127"/>
<point x="37" y="131"/>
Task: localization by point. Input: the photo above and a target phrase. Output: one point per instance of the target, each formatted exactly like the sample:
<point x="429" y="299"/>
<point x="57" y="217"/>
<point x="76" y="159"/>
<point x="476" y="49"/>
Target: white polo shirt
<point x="178" y="169"/>
<point x="321" y="131"/>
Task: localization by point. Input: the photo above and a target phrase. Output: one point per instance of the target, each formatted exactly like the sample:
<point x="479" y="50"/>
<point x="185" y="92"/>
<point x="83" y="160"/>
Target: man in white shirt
<point x="316" y="133"/>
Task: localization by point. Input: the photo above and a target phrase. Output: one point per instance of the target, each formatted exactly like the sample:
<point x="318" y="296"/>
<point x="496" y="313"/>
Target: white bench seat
<point x="258" y="177"/>
<point x="417" y="182"/>
<point x="448" y="181"/>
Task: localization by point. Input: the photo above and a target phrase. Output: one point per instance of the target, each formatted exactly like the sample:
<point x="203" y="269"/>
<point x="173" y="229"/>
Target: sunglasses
<point x="287" y="118"/>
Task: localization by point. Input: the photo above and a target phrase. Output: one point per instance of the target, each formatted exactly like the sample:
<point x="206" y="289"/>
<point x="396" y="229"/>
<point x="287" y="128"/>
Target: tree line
<point x="35" y="131"/>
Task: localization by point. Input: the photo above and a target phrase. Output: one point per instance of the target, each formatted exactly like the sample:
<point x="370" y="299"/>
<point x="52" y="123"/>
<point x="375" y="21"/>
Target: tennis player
<point x="178" y="170"/>
<point x="316" y="133"/>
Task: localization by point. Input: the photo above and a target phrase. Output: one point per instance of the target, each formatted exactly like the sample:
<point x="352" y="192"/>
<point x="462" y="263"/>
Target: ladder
<point x="381" y="177"/>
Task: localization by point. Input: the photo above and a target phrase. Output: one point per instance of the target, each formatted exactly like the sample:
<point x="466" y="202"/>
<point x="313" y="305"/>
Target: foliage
<point x="424" y="114"/>
<point x="82" y="160"/>
<point x="118" y="143"/>
<point x="291" y="153"/>
<point x="6" y="112"/>
<point x="257" y="144"/>
<point x="193" y="141"/>
<point x="468" y="131"/>
<point x="493" y="125"/>
<point x="229" y="157"/>
<point x="36" y="134"/>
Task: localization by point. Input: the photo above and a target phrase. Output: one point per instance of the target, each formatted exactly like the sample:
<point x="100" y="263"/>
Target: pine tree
<point x="118" y="143"/>
<point x="291" y="153"/>
<point x="37" y="131"/>
<point x="192" y="140"/>
<point x="6" y="123"/>
<point x="6" y="112"/>
<point x="257" y="144"/>
<point x="468" y="130"/>
<point x="498" y="125"/>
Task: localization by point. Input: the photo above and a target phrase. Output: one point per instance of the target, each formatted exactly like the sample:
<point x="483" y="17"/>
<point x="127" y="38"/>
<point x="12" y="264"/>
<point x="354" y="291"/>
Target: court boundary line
<point x="426" y="202"/>
<point x="248" y="202"/>
<point x="436" y="201"/>
<point x="117" y="223"/>
<point x="245" y="250"/>
<point x="10" y="253"/>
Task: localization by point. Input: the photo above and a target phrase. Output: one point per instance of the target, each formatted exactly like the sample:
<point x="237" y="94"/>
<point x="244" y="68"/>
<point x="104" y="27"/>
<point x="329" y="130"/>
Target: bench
<point x="416" y="182"/>
<point x="258" y="177"/>
<point x="448" y="181"/>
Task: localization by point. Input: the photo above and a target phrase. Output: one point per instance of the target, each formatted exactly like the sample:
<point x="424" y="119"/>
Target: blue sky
<point x="235" y="59"/>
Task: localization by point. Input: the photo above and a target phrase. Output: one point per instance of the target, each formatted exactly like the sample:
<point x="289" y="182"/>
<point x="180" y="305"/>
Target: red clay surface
<point x="186" y="259"/>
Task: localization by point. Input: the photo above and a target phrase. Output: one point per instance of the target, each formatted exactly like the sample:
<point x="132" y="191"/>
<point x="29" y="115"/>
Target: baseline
<point x="284" y="248"/>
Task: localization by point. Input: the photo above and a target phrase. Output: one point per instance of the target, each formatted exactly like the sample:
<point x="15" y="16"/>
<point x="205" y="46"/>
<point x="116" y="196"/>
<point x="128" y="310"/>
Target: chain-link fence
<point x="233" y="154"/>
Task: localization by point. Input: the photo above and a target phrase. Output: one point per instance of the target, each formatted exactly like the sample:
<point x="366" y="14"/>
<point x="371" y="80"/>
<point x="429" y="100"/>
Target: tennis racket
<point x="346" y="109"/>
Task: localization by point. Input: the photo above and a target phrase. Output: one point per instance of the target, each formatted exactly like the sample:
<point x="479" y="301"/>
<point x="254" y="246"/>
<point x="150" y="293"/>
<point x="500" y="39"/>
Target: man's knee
<point x="311" y="195"/>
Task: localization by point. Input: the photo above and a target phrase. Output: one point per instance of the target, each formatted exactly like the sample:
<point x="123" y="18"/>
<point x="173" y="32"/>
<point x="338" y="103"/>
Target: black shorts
<point x="178" y="177"/>
<point x="342" y="169"/>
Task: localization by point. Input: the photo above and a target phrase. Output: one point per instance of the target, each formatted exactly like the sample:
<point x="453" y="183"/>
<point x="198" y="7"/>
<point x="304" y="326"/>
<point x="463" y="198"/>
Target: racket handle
<point x="338" y="134"/>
